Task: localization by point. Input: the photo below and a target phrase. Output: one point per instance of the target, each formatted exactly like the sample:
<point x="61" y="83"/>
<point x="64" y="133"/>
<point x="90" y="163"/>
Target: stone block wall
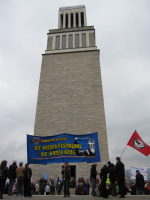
<point x="70" y="100"/>
<point x="91" y="39"/>
<point x="49" y="42"/>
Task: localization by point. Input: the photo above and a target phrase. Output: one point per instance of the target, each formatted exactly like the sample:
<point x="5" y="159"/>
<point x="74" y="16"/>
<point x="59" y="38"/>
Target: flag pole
<point x="123" y="150"/>
<point x="127" y="144"/>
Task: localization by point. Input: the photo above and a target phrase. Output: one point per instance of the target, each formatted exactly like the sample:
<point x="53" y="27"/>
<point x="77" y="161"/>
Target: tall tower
<point x="70" y="96"/>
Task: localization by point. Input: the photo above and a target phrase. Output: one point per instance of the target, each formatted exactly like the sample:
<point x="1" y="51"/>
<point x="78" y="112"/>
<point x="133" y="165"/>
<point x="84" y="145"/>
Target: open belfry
<point x="70" y="96"/>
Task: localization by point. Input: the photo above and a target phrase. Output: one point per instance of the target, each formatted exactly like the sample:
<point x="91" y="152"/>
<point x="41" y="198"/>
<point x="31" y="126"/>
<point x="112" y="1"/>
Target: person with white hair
<point x="103" y="176"/>
<point x="47" y="189"/>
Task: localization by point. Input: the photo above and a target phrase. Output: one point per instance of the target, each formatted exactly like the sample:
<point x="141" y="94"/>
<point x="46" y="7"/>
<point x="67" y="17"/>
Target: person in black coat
<point x="103" y="176"/>
<point x="112" y="177"/>
<point x="52" y="189"/>
<point x="27" y="179"/>
<point x="133" y="189"/>
<point x="12" y="176"/>
<point x="146" y="190"/>
<point x="3" y="176"/>
<point x="93" y="178"/>
<point x="42" y="188"/>
<point x="58" y="188"/>
<point x="120" y="175"/>
<point x="66" y="178"/>
<point x="139" y="183"/>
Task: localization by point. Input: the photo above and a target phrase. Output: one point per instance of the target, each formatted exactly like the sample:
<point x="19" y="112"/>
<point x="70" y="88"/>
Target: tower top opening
<point x="72" y="17"/>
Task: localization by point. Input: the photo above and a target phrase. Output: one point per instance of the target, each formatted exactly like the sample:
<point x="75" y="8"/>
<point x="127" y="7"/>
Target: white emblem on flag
<point x="138" y="144"/>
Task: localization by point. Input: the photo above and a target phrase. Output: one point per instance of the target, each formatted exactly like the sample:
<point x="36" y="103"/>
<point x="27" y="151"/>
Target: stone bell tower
<point x="70" y="96"/>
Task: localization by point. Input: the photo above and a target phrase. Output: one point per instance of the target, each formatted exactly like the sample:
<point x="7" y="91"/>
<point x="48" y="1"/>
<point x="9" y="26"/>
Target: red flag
<point x="137" y="143"/>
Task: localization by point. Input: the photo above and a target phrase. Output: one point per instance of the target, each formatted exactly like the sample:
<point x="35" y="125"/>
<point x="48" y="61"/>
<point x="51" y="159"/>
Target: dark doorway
<point x="73" y="172"/>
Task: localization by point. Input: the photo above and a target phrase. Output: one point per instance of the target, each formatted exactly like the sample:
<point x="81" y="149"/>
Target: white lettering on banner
<point x="142" y="170"/>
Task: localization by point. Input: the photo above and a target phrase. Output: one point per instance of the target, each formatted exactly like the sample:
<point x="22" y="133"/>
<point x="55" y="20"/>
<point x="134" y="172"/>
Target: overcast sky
<point x="123" y="37"/>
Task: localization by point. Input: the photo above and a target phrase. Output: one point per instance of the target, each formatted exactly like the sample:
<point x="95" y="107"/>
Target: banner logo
<point x="138" y="144"/>
<point x="36" y="140"/>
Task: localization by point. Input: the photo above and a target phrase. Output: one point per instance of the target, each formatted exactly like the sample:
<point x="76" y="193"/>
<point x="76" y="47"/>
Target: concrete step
<point x="72" y="191"/>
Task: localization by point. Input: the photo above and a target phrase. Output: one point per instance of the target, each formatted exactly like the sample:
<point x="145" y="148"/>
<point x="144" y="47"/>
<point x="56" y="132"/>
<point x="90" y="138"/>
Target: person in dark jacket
<point x="27" y="179"/>
<point x="42" y="189"/>
<point x="139" y="183"/>
<point x="93" y="178"/>
<point x="58" y="188"/>
<point x="146" y="190"/>
<point x="120" y="175"/>
<point x="52" y="189"/>
<point x="133" y="189"/>
<point x="66" y="178"/>
<point x="112" y="177"/>
<point x="3" y="176"/>
<point x="103" y="177"/>
<point x="12" y="176"/>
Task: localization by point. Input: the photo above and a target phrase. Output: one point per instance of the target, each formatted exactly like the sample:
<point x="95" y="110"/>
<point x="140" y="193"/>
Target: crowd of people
<point x="20" y="181"/>
<point x="117" y="185"/>
<point x="23" y="175"/>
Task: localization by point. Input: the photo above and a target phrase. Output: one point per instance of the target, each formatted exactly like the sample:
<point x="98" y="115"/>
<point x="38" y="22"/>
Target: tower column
<point x="87" y="39"/>
<point x="64" y="19"/>
<point x="58" y="20"/>
<point x="74" y="19"/>
<point x="79" y="18"/>
<point x="73" y="40"/>
<point x="69" y="21"/>
<point x="85" y="22"/>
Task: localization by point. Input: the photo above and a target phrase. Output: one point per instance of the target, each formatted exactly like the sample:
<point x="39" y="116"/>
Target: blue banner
<point x="63" y="148"/>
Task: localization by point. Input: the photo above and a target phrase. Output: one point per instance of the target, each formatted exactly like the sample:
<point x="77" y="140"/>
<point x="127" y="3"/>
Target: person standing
<point x="20" y="176"/>
<point x="59" y="188"/>
<point x="42" y="188"/>
<point x="27" y="179"/>
<point x="58" y="180"/>
<point x="3" y="176"/>
<point x="37" y="188"/>
<point x="139" y="183"/>
<point x="93" y="178"/>
<point x="103" y="176"/>
<point x="47" y="189"/>
<point x="112" y="177"/>
<point x="66" y="175"/>
<point x="120" y="174"/>
<point x="12" y="176"/>
<point x="52" y="188"/>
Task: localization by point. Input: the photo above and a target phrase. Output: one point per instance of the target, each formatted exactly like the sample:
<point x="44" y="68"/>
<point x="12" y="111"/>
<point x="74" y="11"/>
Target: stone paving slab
<point x="73" y="197"/>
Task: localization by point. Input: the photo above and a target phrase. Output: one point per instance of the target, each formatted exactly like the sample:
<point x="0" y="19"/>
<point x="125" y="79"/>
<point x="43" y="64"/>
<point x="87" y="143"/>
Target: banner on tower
<point x="63" y="148"/>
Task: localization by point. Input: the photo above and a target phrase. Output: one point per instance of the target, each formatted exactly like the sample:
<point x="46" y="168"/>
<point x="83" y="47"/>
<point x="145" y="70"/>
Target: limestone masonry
<point x="70" y="96"/>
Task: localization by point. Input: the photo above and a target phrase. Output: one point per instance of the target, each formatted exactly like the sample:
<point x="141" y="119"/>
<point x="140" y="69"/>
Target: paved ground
<point x="73" y="197"/>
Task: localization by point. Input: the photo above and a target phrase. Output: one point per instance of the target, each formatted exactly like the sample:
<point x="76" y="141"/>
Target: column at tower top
<point x="74" y="16"/>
